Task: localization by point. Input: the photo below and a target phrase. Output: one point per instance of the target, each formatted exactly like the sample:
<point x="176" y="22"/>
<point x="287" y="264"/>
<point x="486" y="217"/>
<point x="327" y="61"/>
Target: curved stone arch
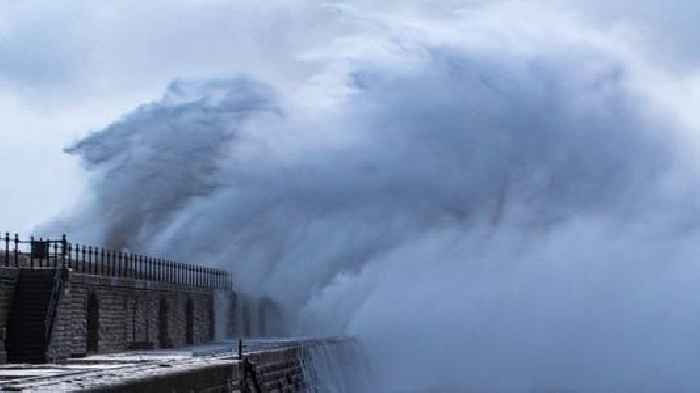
<point x="189" y="321"/>
<point x="134" y="317"/>
<point x="270" y="320"/>
<point x="212" y="318"/>
<point x="92" y="323"/>
<point x="164" y="323"/>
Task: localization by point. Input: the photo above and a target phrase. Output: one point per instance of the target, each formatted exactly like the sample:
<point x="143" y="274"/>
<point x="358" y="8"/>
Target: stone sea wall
<point x="128" y="314"/>
<point x="281" y="370"/>
<point x="8" y="281"/>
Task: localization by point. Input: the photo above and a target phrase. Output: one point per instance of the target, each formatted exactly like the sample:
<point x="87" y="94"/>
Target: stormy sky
<point x="491" y="195"/>
<point x="70" y="67"/>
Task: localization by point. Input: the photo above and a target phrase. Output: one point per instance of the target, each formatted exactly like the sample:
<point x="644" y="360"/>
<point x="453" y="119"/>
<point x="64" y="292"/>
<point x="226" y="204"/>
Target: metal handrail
<point x="106" y="262"/>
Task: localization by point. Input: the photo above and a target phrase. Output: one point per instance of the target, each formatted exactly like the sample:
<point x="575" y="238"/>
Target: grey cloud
<point x="492" y="208"/>
<point x="500" y="212"/>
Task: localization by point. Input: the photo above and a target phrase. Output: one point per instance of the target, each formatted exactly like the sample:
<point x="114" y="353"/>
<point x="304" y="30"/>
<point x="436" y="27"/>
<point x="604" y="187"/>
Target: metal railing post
<point x="64" y="250"/>
<point x="82" y="258"/>
<point x="55" y="253"/>
<point x="7" y="249"/>
<point x="16" y="241"/>
<point x="41" y="259"/>
<point x="31" y="253"/>
<point x="91" y="261"/>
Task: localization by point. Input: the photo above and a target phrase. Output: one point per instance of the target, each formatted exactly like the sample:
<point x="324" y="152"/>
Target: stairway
<point x="27" y="329"/>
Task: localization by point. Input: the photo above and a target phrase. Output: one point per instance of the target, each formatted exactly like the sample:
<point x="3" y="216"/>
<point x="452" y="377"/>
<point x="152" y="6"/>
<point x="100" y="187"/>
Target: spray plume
<point x="485" y="203"/>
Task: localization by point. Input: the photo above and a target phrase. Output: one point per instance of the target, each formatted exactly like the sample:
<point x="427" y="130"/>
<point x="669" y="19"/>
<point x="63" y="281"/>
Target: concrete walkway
<point x="96" y="372"/>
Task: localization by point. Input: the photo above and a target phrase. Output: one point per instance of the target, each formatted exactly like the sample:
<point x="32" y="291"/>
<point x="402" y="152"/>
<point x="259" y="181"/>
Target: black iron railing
<point x="52" y="253"/>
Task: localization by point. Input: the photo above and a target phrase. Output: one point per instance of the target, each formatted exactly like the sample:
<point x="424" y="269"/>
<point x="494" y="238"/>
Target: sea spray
<point x="335" y="366"/>
<point x="482" y="202"/>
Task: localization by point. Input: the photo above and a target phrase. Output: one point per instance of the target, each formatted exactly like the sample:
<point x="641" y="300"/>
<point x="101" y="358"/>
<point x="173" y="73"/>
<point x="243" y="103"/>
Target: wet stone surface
<point x="100" y="372"/>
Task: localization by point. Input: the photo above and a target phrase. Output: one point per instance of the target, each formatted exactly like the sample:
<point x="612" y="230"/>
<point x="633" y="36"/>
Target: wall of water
<point x="336" y="366"/>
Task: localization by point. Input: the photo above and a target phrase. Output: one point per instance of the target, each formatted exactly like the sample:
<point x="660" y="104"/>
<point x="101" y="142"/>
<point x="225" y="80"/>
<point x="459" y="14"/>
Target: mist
<point x="485" y="203"/>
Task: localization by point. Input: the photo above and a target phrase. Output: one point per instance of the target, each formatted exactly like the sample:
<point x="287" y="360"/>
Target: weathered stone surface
<point x="8" y="281"/>
<point x="132" y="314"/>
<point x="277" y="366"/>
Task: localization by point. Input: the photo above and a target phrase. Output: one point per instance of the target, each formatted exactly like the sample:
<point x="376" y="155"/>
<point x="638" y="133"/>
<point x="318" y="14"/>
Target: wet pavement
<point x="101" y="370"/>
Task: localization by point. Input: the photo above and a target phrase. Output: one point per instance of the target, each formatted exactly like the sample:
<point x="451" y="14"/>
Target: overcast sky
<point x="67" y="68"/>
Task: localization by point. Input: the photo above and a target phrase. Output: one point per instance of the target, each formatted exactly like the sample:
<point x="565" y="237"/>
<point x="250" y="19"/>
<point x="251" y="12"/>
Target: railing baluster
<point x="16" y="240"/>
<point x="100" y="266"/>
<point x="40" y="263"/>
<point x="83" y="250"/>
<point x="7" y="249"/>
<point x="31" y="252"/>
<point x="64" y="250"/>
<point x="55" y="253"/>
<point x="66" y="262"/>
<point x="110" y="263"/>
<point x="92" y="257"/>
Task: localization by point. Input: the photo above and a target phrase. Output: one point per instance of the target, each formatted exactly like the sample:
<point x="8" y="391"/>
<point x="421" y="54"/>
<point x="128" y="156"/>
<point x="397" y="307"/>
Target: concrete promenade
<point x="269" y="365"/>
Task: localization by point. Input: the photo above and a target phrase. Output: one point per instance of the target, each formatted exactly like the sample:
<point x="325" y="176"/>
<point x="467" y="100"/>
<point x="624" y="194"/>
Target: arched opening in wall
<point x="212" y="319"/>
<point x="133" y="321"/>
<point x="93" y="324"/>
<point x="163" y="326"/>
<point x="270" y="318"/>
<point x="189" y="322"/>
<point x="245" y="316"/>
<point x="262" y="318"/>
<point x="232" y="322"/>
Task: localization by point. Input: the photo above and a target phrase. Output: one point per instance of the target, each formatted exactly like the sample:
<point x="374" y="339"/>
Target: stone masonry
<point x="131" y="314"/>
<point x="8" y="280"/>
